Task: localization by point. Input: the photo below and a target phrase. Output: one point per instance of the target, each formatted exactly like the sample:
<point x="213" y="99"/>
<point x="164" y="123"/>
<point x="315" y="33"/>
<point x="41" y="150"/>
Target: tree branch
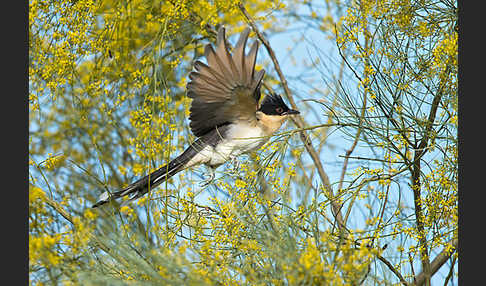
<point x="416" y="184"/>
<point x="437" y="263"/>
<point x="299" y="122"/>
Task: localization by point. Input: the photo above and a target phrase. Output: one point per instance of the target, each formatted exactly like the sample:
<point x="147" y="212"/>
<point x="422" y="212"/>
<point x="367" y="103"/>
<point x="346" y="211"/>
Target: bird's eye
<point x="279" y="109"/>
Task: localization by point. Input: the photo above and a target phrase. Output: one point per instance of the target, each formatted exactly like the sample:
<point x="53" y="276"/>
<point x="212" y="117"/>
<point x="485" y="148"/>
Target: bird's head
<point x="273" y="104"/>
<point x="273" y="112"/>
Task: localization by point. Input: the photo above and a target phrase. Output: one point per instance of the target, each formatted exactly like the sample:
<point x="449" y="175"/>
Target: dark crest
<point x="273" y="104"/>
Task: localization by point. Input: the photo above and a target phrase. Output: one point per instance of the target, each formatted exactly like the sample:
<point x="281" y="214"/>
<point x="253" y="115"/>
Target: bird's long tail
<point x="143" y="185"/>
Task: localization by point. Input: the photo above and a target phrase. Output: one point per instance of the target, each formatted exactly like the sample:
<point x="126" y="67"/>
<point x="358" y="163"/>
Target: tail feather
<point x="143" y="185"/>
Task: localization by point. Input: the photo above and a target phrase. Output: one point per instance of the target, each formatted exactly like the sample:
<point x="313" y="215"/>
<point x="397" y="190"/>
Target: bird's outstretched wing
<point x="225" y="89"/>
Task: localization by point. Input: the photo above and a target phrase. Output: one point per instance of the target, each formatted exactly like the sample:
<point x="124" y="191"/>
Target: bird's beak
<point x="292" y="111"/>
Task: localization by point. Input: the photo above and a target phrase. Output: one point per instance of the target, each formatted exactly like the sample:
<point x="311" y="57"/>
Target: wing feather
<point x="239" y="56"/>
<point x="223" y="54"/>
<point x="225" y="89"/>
<point x="251" y="61"/>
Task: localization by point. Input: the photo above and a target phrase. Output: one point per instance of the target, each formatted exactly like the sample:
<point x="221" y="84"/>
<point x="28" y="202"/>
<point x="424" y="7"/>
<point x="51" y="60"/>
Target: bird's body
<point x="226" y="115"/>
<point x="238" y="139"/>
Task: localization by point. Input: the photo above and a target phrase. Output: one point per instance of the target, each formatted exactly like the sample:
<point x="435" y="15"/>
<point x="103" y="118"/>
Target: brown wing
<point x="227" y="88"/>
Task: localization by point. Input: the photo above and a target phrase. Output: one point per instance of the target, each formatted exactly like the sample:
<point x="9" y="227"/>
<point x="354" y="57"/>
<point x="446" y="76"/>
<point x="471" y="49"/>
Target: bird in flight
<point x="226" y="115"/>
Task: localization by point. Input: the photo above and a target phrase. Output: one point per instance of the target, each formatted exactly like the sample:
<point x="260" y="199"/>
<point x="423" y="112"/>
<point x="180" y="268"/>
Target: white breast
<point x="244" y="138"/>
<point x="239" y="139"/>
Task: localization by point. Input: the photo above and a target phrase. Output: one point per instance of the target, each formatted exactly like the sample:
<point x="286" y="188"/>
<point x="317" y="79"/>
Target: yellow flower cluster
<point x="53" y="162"/>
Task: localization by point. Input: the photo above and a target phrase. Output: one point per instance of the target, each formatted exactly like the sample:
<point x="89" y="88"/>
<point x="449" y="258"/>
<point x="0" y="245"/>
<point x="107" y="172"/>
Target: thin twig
<point x="390" y="266"/>
<point x="451" y="271"/>
<point x="59" y="209"/>
<point x="360" y="123"/>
